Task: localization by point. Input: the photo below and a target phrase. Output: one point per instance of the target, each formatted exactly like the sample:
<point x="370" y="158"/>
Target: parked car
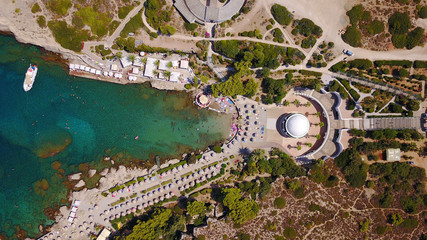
<point x="347" y="52"/>
<point x="410" y="163"/>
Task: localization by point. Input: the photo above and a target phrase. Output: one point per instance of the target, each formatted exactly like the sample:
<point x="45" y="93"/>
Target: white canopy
<point x="135" y="70"/>
<point x="98" y="72"/>
<point x="72" y="66"/>
<point x="93" y="70"/>
<point x="87" y="69"/>
<point x="174" y="76"/>
<point x="163" y="65"/>
<point x="184" y="64"/>
<point x="114" y="67"/>
<point x="82" y="67"/>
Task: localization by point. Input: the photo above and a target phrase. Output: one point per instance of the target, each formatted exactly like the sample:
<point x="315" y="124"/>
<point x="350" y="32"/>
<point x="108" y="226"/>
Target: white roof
<point x="92" y="70"/>
<point x="125" y="62"/>
<point x="104" y="234"/>
<point x="137" y="62"/>
<point x="135" y="70"/>
<point x="114" y="67"/>
<point x="105" y="73"/>
<point x="72" y="214"/>
<point x="297" y="125"/>
<point x="174" y="76"/>
<point x="393" y="154"/>
<point x="76" y="66"/>
<point x="161" y="75"/>
<point x="82" y="67"/>
<point x="175" y="63"/>
<point x="72" y="66"/>
<point x="98" y="72"/>
<point x="87" y="69"/>
<point x="163" y="65"/>
<point x="184" y="64"/>
<point x="150" y="67"/>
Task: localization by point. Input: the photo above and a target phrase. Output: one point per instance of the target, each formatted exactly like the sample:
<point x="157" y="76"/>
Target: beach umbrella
<point x="154" y="192"/>
<point x="144" y="197"/>
<point x="105" y="219"/>
<point x="161" y="198"/>
<point x="149" y="203"/>
<point x="145" y="205"/>
<point x="81" y="227"/>
<point x="101" y="214"/>
<point x="170" y="185"/>
<point x="148" y="194"/>
<point x="96" y="206"/>
<point x="185" y="165"/>
<point x="166" y="187"/>
<point x="179" y="168"/>
<point x="156" y="200"/>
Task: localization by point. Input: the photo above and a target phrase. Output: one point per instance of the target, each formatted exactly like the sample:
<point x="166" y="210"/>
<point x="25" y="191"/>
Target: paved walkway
<point x="381" y="123"/>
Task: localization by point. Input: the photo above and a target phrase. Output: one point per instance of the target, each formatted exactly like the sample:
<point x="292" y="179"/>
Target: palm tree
<point x="170" y="65"/>
<point x="321" y="124"/>
<point x="144" y="60"/>
<point x="131" y="58"/>
<point x="155" y="72"/>
<point x="167" y="74"/>
<point x="296" y="102"/>
<point x="119" y="55"/>
<point x="286" y="103"/>
<point x="308" y="104"/>
<point x="157" y="62"/>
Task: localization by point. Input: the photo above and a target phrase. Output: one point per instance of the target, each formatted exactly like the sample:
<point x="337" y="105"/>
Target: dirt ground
<point x="335" y="213"/>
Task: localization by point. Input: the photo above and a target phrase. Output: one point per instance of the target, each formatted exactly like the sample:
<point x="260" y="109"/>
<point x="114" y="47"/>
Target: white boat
<point x="30" y="76"/>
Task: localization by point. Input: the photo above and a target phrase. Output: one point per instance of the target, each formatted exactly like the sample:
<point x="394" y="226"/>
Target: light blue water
<point x="87" y="118"/>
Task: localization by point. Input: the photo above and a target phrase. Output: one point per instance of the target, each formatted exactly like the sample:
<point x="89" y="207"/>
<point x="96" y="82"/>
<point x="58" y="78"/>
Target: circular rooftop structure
<point x="213" y="11"/>
<point x="296" y="125"/>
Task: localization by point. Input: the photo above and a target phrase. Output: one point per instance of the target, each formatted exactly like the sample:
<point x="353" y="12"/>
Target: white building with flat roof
<point x="163" y="65"/>
<point x="138" y="62"/>
<point x="150" y="67"/>
<point x="175" y="76"/>
<point x="125" y="62"/>
<point x="184" y="64"/>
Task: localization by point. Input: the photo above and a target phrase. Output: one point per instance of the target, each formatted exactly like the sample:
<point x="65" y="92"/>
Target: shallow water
<point x="74" y="120"/>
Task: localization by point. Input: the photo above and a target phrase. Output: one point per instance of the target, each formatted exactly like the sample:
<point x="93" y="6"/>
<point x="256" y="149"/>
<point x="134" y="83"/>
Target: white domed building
<point x="295" y="125"/>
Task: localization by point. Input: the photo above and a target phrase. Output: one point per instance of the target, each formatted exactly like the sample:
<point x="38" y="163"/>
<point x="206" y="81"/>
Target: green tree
<point x="167" y="30"/>
<point x="35" y="8"/>
<point x="167" y="74"/>
<point x="279" y="202"/>
<point x="352" y="36"/>
<point x="240" y="209"/>
<point x="131" y="58"/>
<point x="196" y="208"/>
<point x="289" y="232"/>
<point x="152" y="228"/>
<point x="59" y="7"/>
<point x="422" y="13"/>
<point x="281" y="14"/>
<point x="414" y="37"/>
<point x="399" y="23"/>
<point x="355" y="14"/>
<point x="396" y="219"/>
<point x="364" y="225"/>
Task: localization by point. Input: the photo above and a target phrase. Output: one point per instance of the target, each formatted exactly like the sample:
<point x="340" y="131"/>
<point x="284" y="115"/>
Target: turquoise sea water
<point x="87" y="118"/>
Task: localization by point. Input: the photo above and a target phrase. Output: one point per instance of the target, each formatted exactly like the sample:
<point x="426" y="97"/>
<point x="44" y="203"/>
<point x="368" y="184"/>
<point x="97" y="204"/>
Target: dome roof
<point x="297" y="125"/>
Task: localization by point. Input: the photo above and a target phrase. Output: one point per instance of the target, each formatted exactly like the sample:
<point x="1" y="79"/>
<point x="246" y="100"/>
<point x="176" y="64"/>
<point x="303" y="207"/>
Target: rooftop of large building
<point x="195" y="10"/>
